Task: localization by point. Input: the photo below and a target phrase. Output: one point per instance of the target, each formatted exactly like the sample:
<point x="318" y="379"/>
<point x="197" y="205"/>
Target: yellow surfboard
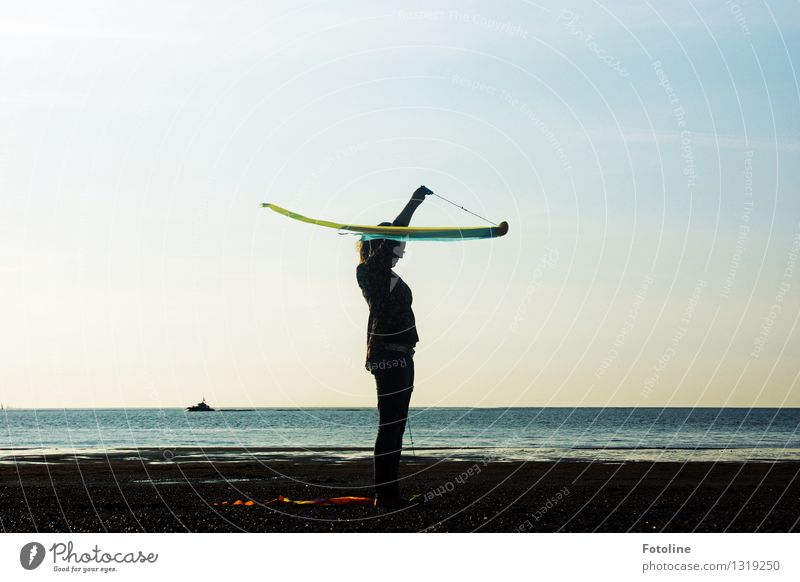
<point x="416" y="233"/>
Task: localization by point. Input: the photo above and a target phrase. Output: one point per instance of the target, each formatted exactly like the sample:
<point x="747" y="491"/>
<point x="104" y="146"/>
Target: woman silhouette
<point x="391" y="337"/>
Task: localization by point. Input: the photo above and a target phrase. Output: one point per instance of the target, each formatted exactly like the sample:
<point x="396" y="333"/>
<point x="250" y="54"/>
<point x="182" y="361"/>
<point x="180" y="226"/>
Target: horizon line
<point x="247" y="408"/>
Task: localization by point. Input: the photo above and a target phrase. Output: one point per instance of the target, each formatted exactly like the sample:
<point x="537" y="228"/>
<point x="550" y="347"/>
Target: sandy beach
<point x="184" y="491"/>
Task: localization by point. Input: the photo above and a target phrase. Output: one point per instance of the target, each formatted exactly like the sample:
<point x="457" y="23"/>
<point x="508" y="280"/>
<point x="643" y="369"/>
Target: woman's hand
<point x="420" y="193"/>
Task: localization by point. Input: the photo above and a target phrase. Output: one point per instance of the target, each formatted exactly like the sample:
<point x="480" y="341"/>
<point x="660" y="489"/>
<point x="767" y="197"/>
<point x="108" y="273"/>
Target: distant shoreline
<point x="300" y="408"/>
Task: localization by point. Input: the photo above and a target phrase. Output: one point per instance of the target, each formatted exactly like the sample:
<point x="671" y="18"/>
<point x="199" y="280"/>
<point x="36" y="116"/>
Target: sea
<point x="502" y="434"/>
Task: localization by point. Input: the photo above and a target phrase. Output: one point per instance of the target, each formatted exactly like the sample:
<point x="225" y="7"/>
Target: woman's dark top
<point x="391" y="319"/>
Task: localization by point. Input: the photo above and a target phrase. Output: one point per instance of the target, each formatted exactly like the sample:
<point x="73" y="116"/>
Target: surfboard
<point x="402" y="233"/>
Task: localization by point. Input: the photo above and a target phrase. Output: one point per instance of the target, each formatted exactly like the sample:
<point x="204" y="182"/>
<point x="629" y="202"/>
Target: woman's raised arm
<point x="404" y="218"/>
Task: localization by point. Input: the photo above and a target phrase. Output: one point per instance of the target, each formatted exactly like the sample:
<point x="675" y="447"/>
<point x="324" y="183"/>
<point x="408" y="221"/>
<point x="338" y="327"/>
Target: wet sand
<point x="182" y="491"/>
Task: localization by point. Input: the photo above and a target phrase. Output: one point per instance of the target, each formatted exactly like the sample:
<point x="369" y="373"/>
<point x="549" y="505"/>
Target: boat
<point x="200" y="407"/>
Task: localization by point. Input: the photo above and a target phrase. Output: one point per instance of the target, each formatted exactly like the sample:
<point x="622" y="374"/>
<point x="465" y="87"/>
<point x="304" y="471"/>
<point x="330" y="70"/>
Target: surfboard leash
<point x="411" y="436"/>
<point x="464" y="209"/>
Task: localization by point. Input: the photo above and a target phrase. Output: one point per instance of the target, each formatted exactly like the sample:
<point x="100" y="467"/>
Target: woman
<point x="391" y="337"/>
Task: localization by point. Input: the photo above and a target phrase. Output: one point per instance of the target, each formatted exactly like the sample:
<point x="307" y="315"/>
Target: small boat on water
<point x="200" y="407"/>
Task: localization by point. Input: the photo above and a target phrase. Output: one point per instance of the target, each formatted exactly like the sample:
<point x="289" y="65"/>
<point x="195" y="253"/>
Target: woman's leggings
<point x="394" y="378"/>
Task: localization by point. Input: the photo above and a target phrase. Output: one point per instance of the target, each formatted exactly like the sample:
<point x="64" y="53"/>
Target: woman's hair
<point x="364" y="249"/>
<point x="365" y="246"/>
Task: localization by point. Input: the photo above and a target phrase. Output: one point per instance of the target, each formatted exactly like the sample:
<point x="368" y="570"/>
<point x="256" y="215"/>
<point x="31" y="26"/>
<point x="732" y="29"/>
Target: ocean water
<point x="610" y="434"/>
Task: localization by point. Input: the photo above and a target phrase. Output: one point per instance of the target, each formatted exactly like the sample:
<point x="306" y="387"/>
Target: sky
<point x="644" y="154"/>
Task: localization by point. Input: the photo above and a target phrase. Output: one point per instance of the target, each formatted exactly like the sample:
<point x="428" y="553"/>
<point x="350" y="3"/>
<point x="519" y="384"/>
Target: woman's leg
<point x="395" y="384"/>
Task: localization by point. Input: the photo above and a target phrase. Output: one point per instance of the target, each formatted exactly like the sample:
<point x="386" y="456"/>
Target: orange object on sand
<point x="349" y="500"/>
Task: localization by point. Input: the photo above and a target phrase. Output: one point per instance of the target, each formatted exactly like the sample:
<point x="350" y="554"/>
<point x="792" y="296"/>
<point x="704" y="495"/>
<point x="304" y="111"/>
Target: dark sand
<point x="141" y="491"/>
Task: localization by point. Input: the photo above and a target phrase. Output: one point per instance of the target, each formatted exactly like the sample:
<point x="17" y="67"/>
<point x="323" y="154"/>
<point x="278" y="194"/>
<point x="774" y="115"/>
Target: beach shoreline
<point x="215" y="453"/>
<point x="192" y="489"/>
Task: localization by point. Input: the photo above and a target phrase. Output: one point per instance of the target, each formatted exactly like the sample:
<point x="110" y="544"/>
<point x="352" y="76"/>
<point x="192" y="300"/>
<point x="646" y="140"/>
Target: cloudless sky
<point x="645" y="155"/>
